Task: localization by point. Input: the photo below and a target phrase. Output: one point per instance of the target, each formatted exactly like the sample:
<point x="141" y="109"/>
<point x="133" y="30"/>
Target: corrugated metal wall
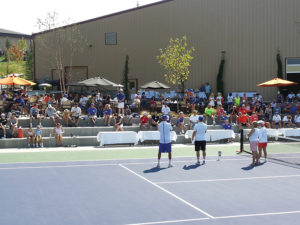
<point x="250" y="31"/>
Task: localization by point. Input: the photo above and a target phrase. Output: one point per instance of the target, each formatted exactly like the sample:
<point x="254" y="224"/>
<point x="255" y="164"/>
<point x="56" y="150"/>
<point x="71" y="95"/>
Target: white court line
<point x="169" y="221"/>
<point x="219" y="218"/>
<point x="227" y="179"/>
<point x="168" y="192"/>
<point x="49" y="167"/>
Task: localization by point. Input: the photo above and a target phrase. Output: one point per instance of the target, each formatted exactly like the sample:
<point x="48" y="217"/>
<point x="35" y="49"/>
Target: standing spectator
<point x="244" y="99"/>
<point x="155" y="120"/>
<point x="152" y="104"/>
<point x="107" y="115"/>
<point x="34" y="113"/>
<point x="3" y="124"/>
<point x="52" y="114"/>
<point x="127" y="116"/>
<point x="13" y="124"/>
<point x="180" y="122"/>
<point x="75" y="114"/>
<point x="83" y="101"/>
<point x="38" y="137"/>
<point x="229" y="101"/>
<point x="121" y="100"/>
<point x="287" y="120"/>
<point x="30" y="137"/>
<point x="143" y="101"/>
<point x="237" y="100"/>
<point x="233" y="114"/>
<point x="193" y="119"/>
<point x="219" y="99"/>
<point x="144" y="122"/>
<point x="137" y="100"/>
<point x="207" y="89"/>
<point x="276" y="120"/>
<point x="119" y="122"/>
<point x="92" y="113"/>
<point x="58" y="134"/>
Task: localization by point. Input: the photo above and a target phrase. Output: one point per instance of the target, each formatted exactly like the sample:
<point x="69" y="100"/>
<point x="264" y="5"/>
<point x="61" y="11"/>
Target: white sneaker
<point x="203" y="162"/>
<point x="158" y="165"/>
<point x="182" y="132"/>
<point x="198" y="163"/>
<point x="170" y="165"/>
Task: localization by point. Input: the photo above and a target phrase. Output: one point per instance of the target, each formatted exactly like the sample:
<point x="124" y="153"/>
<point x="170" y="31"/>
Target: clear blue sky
<point x="21" y="15"/>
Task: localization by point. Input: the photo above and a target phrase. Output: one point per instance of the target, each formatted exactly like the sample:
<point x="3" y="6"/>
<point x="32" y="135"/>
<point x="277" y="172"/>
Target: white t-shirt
<point x="291" y="96"/>
<point x="165" y="110"/>
<point x="212" y="101"/>
<point x="277" y="118"/>
<point x="254" y="136"/>
<point x="262" y="135"/>
<point x="219" y="100"/>
<point x="230" y="99"/>
<point x="83" y="101"/>
<point x="297" y="119"/>
<point x="76" y="111"/>
<point x="164" y="132"/>
<point x="285" y="119"/>
<point x="63" y="100"/>
<point x="200" y="129"/>
<point x="194" y="118"/>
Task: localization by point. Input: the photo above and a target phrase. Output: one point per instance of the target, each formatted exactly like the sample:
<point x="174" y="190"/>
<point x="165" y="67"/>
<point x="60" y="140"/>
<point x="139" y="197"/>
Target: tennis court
<point x="134" y="191"/>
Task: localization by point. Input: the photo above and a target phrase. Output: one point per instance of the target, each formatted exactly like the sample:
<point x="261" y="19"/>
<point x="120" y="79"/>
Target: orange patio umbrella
<point x="14" y="80"/>
<point x="276" y="82"/>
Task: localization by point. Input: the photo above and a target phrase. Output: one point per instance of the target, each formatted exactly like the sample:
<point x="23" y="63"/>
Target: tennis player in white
<point x="165" y="143"/>
<point x="200" y="139"/>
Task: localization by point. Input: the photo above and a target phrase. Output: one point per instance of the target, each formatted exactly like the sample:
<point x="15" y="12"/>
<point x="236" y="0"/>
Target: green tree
<point x="279" y="65"/>
<point x="125" y="81"/>
<point x="29" y="63"/>
<point x="7" y="54"/>
<point x="22" y="45"/>
<point x="176" y="59"/>
<point x="220" y="81"/>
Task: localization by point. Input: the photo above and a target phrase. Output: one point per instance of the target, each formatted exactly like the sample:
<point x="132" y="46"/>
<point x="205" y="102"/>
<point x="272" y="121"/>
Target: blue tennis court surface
<point x="135" y="192"/>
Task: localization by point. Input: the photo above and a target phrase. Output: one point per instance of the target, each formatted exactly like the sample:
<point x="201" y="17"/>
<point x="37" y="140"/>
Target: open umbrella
<point x="155" y="85"/>
<point x="98" y="81"/>
<point x="15" y="74"/>
<point x="13" y="80"/>
<point x="276" y="82"/>
<point x="45" y="85"/>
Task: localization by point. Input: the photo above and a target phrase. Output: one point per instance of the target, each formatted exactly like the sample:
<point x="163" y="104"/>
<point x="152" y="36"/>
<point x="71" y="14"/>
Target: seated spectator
<point x="290" y="97"/>
<point x="119" y="122"/>
<point x="52" y="114"/>
<point x="293" y="109"/>
<point x="224" y="117"/>
<point x="38" y="137"/>
<point x="4" y="95"/>
<point x="92" y="113"/>
<point x="268" y="112"/>
<point x="35" y="114"/>
<point x="287" y="121"/>
<point x="166" y="110"/>
<point x="243" y="109"/>
<point x="20" y="103"/>
<point x="208" y="112"/>
<point x="64" y="99"/>
<point x="276" y="120"/>
<point x="155" y="120"/>
<point x="144" y="121"/>
<point x="13" y="125"/>
<point x="220" y="111"/>
<point x="128" y="118"/>
<point x="3" y="124"/>
<point x="244" y="99"/>
<point x="277" y="109"/>
<point x="75" y="114"/>
<point x="243" y="120"/>
<point x="180" y="122"/>
<point x="220" y="99"/>
<point x="58" y="134"/>
<point x="261" y="115"/>
<point x="153" y="104"/>
<point x="83" y="101"/>
<point x="66" y="117"/>
<point x="193" y="119"/>
<point x="253" y="117"/>
<point x="233" y="112"/>
<point x="107" y="115"/>
<point x="297" y="119"/>
<point x="211" y="100"/>
<point x="257" y="108"/>
<point x="227" y="125"/>
<point x="30" y="137"/>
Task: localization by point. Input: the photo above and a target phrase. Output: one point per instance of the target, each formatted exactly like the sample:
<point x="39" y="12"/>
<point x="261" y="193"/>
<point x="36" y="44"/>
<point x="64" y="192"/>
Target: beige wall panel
<point x="250" y="31"/>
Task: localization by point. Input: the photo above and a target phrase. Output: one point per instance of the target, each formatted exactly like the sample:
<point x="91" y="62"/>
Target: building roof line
<point x="105" y="16"/>
<point x="25" y="36"/>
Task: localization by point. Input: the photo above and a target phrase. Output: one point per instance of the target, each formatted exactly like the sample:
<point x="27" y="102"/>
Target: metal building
<point x="250" y="31"/>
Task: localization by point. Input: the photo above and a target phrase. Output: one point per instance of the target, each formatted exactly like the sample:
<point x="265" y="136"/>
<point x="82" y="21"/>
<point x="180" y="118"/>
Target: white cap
<point x="261" y="122"/>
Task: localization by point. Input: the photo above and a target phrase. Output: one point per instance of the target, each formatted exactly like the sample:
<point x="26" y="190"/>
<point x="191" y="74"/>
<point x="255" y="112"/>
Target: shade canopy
<point x="14" y="80"/>
<point x="43" y="85"/>
<point x="276" y="82"/>
<point x="155" y="85"/>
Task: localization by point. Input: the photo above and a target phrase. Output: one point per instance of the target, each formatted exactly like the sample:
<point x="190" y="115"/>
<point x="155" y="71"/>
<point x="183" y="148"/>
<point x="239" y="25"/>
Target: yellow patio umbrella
<point x="14" y="80"/>
<point x="276" y="82"/>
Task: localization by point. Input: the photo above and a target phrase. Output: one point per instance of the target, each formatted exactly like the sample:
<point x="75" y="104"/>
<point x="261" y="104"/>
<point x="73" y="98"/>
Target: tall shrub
<point x="279" y="65"/>
<point x="220" y="80"/>
<point x="125" y="81"/>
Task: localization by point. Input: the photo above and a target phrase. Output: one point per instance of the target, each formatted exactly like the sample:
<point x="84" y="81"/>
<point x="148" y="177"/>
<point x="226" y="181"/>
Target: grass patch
<point x="14" y="67"/>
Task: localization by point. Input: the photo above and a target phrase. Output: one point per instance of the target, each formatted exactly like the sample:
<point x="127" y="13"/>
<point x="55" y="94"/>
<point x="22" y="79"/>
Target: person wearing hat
<point x="51" y="113"/>
<point x="200" y="139"/>
<point x="64" y="99"/>
<point x="262" y="139"/>
<point x="253" y="139"/>
<point x="144" y="122"/>
<point x="3" y="124"/>
<point x="92" y="113"/>
<point x="180" y="122"/>
<point x="165" y="144"/>
<point x="193" y="119"/>
<point x="276" y="120"/>
<point x="121" y="100"/>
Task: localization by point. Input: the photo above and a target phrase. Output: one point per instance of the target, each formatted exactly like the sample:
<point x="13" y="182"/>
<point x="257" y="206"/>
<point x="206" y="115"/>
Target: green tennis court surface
<point x="87" y="154"/>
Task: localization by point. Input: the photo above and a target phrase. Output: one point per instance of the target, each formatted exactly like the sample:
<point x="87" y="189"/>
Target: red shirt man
<point x="144" y="121"/>
<point x="243" y="109"/>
